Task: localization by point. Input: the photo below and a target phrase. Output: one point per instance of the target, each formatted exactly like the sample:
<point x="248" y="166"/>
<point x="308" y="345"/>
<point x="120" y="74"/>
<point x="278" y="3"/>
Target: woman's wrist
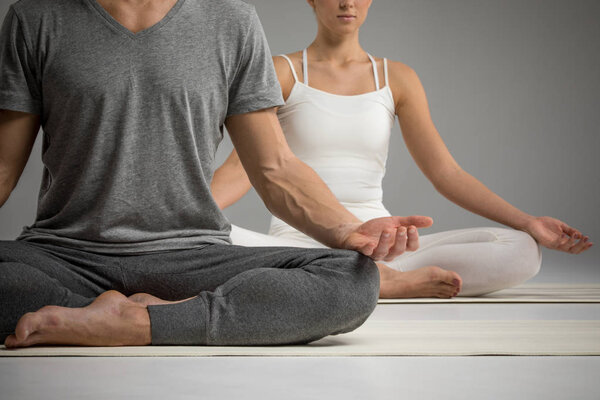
<point x="526" y="222"/>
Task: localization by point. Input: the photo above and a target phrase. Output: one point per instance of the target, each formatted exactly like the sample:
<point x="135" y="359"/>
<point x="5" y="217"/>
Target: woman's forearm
<point x="466" y="191"/>
<point x="230" y="182"/>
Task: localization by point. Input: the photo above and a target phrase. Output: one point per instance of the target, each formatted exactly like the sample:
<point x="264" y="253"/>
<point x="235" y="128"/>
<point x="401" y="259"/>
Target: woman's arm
<point x="230" y="182"/>
<point x="433" y="158"/>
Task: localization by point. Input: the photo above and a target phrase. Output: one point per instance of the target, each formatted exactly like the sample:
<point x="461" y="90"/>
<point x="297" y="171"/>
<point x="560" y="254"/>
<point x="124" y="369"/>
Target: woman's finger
<point x="560" y="243"/>
<point x="578" y="247"/>
<point x="571" y="242"/>
<point x="570" y="230"/>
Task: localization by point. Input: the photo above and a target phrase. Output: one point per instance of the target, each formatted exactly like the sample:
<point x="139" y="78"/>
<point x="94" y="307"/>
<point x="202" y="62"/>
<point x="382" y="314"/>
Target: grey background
<point x="514" y="90"/>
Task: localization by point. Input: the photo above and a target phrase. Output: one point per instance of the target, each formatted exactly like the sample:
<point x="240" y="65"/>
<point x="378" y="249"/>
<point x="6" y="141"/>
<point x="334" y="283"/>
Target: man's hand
<point x="385" y="238"/>
<point x="555" y="234"/>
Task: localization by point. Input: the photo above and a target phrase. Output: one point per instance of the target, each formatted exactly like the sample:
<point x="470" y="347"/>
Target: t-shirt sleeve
<point x="255" y="85"/>
<point x="19" y="83"/>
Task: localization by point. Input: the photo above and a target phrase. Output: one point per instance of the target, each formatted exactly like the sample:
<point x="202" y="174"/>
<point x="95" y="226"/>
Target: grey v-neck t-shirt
<point x="132" y="122"/>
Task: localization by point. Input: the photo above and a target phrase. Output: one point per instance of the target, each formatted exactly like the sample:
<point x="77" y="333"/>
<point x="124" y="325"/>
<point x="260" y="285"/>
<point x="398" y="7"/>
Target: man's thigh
<point x="181" y="274"/>
<point x="84" y="273"/>
<point x="34" y="276"/>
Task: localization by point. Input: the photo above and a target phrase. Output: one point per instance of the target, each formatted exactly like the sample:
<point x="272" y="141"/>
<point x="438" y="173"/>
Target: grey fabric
<point x="244" y="295"/>
<point x="132" y="121"/>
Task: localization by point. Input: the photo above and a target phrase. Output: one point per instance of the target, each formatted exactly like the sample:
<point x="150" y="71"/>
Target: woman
<point x="339" y="122"/>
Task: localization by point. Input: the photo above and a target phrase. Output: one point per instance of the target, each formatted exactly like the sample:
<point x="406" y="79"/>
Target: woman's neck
<point x="338" y="49"/>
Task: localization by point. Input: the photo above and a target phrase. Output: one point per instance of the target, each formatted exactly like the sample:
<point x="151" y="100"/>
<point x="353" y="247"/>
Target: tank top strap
<point x="291" y="66"/>
<point x="375" y="74"/>
<point x="305" y="66"/>
<point x="385" y="72"/>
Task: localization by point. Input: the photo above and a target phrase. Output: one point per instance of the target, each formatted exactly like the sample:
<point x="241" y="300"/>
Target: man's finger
<point x="419" y="221"/>
<point x="399" y="246"/>
<point x="386" y="241"/>
<point x="412" y="243"/>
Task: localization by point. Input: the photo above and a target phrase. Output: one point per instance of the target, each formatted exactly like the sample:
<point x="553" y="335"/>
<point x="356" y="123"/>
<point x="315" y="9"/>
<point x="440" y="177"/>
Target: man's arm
<point x="292" y="191"/>
<point x="18" y="131"/>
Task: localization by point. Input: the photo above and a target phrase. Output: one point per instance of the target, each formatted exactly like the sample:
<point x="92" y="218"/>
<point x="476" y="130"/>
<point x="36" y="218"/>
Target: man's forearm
<point x="295" y="193"/>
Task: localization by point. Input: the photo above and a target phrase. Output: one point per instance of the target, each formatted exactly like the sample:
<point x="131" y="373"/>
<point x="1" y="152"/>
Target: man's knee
<point x="358" y="295"/>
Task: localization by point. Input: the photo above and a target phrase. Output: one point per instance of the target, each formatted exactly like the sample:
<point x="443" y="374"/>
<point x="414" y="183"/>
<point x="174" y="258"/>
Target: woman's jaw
<point x="340" y="17"/>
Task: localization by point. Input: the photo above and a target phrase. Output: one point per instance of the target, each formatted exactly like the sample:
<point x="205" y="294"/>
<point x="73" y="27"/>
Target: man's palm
<point x="366" y="237"/>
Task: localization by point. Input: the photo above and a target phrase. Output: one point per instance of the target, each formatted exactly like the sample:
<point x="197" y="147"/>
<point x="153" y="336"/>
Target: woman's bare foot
<point x="111" y="320"/>
<point x="423" y="282"/>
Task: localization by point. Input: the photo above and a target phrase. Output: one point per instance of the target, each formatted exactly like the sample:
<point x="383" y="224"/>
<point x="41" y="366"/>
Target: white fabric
<point x="487" y="259"/>
<point x="345" y="140"/>
<point x="390" y="338"/>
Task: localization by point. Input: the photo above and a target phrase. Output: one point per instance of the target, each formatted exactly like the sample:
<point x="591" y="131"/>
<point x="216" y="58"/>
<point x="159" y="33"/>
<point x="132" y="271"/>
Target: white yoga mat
<point x="532" y="293"/>
<point x="391" y="338"/>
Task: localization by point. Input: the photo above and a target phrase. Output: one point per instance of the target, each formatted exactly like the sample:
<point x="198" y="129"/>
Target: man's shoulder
<point x="36" y="9"/>
<point x="227" y="11"/>
<point x="235" y="7"/>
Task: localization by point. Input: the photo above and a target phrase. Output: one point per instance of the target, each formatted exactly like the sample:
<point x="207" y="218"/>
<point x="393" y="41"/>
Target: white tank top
<point x="344" y="139"/>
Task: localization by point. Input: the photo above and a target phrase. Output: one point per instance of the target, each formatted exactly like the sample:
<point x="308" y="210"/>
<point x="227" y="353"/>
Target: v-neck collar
<point x="107" y="17"/>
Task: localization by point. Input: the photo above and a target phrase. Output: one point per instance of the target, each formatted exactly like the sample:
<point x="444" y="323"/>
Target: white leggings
<point x="487" y="259"/>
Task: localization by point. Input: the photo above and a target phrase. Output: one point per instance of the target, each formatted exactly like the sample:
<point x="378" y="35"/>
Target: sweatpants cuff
<point x="180" y="323"/>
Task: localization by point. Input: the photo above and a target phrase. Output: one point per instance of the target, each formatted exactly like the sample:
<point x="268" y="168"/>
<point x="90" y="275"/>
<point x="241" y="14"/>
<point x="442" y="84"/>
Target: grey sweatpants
<point x="243" y="295"/>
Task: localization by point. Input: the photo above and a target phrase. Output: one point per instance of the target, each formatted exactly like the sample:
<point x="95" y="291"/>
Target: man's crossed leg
<point x="237" y="295"/>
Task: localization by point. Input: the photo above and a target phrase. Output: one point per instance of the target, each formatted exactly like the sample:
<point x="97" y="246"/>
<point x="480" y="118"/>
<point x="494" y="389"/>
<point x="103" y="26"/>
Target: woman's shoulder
<point x="282" y="65"/>
<point x="284" y="72"/>
<point x="402" y="79"/>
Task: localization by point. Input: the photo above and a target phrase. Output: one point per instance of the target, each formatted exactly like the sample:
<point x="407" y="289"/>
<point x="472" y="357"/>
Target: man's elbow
<point x="272" y="170"/>
<point x="274" y="177"/>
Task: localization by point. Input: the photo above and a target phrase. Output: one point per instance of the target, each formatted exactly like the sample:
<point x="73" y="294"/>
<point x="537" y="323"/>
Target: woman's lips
<point x="347" y="18"/>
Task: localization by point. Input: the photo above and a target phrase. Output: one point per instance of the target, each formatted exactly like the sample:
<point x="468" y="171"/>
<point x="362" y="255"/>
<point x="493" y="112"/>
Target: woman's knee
<point x="525" y="256"/>
<point x="531" y="255"/>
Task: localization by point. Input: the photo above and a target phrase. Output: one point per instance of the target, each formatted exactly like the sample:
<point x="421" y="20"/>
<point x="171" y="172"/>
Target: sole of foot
<point x="111" y="320"/>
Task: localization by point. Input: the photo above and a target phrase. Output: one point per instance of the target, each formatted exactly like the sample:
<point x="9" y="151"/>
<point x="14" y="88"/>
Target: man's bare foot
<point x="111" y="320"/>
<point x="422" y="282"/>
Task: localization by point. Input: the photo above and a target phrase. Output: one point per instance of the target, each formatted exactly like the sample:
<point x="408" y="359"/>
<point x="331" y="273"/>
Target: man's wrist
<point x="342" y="233"/>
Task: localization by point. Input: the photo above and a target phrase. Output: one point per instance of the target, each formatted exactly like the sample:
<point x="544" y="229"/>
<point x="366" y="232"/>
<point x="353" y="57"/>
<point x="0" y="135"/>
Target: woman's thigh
<point x="487" y="259"/>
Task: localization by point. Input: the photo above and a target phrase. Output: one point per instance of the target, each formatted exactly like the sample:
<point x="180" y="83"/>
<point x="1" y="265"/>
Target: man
<point x="132" y="96"/>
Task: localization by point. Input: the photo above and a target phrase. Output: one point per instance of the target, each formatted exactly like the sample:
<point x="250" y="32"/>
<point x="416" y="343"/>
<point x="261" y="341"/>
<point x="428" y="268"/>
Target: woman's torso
<point x="344" y="139"/>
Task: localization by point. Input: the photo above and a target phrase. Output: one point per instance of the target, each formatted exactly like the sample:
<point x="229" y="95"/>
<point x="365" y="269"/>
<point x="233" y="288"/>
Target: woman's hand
<point x="555" y="234"/>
